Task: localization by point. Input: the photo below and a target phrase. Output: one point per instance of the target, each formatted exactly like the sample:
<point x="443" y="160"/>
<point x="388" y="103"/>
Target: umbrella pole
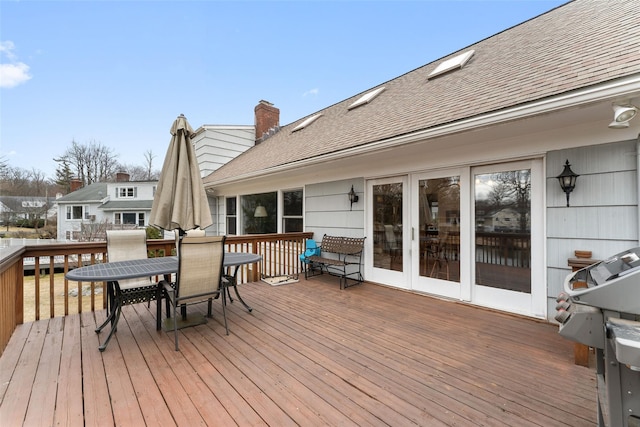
<point x="183" y="308"/>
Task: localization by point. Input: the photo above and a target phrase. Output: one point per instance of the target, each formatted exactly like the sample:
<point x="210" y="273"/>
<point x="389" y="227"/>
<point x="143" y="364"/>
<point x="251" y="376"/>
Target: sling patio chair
<point x="124" y="245"/>
<point x="199" y="278"/>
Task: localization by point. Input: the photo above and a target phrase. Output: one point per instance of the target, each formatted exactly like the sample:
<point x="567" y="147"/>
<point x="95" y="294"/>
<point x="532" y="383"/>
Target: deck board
<point x="69" y="392"/>
<point x="308" y="354"/>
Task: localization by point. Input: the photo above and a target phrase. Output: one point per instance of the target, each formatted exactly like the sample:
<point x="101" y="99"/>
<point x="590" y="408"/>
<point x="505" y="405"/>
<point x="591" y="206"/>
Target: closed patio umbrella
<point x="180" y="201"/>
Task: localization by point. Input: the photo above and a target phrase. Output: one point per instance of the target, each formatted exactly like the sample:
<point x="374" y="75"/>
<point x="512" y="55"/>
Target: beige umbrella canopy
<point x="180" y="201"/>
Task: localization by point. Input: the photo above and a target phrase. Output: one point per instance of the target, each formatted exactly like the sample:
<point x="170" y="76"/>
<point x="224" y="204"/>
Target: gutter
<point x="627" y="87"/>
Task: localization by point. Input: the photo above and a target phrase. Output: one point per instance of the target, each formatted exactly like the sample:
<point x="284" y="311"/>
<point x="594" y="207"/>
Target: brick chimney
<point x="267" y="117"/>
<point x="74" y="184"/>
<point x="122" y="177"/>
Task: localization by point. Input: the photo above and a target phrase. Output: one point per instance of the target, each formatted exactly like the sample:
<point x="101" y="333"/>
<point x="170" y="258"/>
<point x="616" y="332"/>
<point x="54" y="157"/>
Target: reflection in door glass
<point x="439" y="204"/>
<point x="387" y="226"/>
<point x="503" y="230"/>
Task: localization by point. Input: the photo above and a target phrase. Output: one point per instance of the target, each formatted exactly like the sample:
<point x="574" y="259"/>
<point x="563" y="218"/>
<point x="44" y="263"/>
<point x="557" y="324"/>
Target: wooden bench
<point x="345" y="260"/>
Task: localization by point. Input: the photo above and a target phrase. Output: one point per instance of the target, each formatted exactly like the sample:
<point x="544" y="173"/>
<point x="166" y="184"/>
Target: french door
<point x="439" y="230"/>
<point x="508" y="237"/>
<point x="471" y="233"/>
<point x="386" y="222"/>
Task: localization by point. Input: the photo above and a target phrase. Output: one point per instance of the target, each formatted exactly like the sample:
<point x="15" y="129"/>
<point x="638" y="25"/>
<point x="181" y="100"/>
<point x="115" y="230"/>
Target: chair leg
<point x="159" y="307"/>
<point x="224" y="309"/>
<point x="175" y="321"/>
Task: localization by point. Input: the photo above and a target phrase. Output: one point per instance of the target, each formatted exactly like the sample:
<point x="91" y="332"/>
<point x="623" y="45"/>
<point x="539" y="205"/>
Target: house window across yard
<point x="129" y="218"/>
<point x="292" y="211"/>
<point x="77" y="212"/>
<point x="232" y="209"/>
<point x="126" y="192"/>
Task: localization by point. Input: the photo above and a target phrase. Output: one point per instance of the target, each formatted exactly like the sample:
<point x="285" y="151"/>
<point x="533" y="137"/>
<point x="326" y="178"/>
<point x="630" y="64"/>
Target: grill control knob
<point x="562" y="316"/>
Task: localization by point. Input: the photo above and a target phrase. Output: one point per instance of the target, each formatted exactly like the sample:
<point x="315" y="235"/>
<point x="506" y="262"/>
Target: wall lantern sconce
<point x="353" y="197"/>
<point x="261" y="212"/>
<point x="567" y="180"/>
<point x="622" y="114"/>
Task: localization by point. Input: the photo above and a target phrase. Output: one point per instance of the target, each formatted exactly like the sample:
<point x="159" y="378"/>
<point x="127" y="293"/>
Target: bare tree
<point x="93" y="231"/>
<point x="17" y="182"/>
<point x="148" y="157"/>
<point x="513" y="190"/>
<point x="38" y="182"/>
<point x="93" y="162"/>
<point x="136" y="173"/>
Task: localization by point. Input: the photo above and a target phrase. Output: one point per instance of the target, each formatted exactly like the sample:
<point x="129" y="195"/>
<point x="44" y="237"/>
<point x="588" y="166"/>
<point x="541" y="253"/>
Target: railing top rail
<point x="9" y="256"/>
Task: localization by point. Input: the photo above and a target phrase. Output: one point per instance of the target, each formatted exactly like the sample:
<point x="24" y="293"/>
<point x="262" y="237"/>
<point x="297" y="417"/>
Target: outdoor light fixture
<point x="567" y="180"/>
<point x="261" y="212"/>
<point x="353" y="197"/>
<point x="622" y="114"/>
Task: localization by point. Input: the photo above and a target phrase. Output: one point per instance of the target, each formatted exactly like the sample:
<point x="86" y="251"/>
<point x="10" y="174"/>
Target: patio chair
<point x="199" y="278"/>
<point x="123" y="245"/>
<point x="196" y="232"/>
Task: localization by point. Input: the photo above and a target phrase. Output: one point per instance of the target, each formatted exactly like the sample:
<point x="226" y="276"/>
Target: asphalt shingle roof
<point x="576" y="45"/>
<point x="92" y="192"/>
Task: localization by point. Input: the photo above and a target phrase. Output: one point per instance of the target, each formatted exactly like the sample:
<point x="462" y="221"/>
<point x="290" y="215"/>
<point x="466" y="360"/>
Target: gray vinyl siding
<point x="603" y="216"/>
<point x="327" y="209"/>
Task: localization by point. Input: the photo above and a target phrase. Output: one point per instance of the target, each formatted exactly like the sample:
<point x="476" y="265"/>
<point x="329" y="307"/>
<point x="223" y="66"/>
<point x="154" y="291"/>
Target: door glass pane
<point x="387" y="226"/>
<point x="503" y="230"/>
<point x="439" y="215"/>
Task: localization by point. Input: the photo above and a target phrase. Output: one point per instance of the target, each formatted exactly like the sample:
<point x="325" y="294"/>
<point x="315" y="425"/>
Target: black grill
<point x="600" y="307"/>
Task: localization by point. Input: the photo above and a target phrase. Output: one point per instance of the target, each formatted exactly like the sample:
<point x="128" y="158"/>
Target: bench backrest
<point x="342" y="245"/>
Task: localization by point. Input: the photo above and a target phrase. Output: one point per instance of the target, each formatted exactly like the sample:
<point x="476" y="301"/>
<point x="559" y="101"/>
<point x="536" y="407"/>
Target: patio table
<point x="112" y="272"/>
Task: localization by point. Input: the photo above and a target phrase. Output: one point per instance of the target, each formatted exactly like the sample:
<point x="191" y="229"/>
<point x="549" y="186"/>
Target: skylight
<point x="307" y="122"/>
<point x="452" y="63"/>
<point x="366" y="98"/>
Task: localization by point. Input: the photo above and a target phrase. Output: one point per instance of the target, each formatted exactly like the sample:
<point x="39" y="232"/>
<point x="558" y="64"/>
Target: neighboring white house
<point x="433" y="150"/>
<point x="104" y="205"/>
<point x="16" y="208"/>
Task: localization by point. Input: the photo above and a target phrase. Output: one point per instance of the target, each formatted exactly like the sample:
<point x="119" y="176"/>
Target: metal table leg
<point x="114" y="310"/>
<point x="234" y="282"/>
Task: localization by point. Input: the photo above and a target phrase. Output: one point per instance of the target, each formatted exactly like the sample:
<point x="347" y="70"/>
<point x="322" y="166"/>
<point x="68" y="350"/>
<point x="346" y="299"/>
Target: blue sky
<point x="119" y="72"/>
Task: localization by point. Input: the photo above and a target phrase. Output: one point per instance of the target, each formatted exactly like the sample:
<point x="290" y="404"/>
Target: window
<point x="458" y="61"/>
<point x="231" y="217"/>
<point x="129" y="218"/>
<point x="306" y="122"/>
<point x="292" y="211"/>
<point x="366" y="98"/>
<point x="259" y="213"/>
<point x="76" y="212"/>
<point x="126" y="192"/>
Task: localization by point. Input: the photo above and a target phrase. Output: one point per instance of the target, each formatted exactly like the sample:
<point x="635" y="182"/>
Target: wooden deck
<point x="308" y="355"/>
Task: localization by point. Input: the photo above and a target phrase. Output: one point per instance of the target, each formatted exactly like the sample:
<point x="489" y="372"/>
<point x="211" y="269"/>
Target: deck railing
<point x="279" y="257"/>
